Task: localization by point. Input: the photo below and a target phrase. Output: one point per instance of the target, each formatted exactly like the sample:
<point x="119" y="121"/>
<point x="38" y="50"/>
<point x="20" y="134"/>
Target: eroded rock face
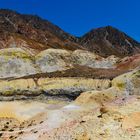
<point x="124" y="85"/>
<point x="52" y="60"/>
<point x="73" y="87"/>
<point x="99" y="98"/>
<point x="15" y="62"/>
<point x="63" y="87"/>
<point x="129" y="82"/>
<point x="106" y="108"/>
<point x="89" y="59"/>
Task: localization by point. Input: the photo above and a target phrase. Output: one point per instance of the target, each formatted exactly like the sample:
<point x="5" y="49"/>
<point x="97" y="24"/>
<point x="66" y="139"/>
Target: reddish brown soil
<point x="80" y="71"/>
<point x="129" y="63"/>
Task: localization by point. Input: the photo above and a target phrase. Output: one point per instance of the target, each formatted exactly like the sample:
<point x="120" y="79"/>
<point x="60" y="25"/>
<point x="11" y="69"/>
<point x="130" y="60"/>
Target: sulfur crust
<point x="9" y="87"/>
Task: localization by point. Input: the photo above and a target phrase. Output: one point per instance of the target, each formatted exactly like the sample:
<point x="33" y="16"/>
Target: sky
<point x="80" y="16"/>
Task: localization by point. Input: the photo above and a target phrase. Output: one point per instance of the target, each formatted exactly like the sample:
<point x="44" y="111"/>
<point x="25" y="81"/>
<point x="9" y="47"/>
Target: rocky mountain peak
<point x="110" y="39"/>
<point x="111" y="34"/>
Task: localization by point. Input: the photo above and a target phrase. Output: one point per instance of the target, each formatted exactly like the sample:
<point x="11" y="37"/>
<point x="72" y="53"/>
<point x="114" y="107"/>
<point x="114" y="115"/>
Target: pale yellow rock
<point x="46" y="84"/>
<point x="57" y="83"/>
<point x="18" y="62"/>
<point x="15" y="62"/>
<point x="86" y="58"/>
<point x="129" y="82"/>
<point x="15" y="52"/>
<point x="11" y="87"/>
<point x="52" y="60"/>
<point x="99" y="97"/>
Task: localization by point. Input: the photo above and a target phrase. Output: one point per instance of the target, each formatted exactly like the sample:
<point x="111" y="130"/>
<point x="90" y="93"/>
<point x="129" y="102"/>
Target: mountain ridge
<point x="111" y="38"/>
<point x="36" y="34"/>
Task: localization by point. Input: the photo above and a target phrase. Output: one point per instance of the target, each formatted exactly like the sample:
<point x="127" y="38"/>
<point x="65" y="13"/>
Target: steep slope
<point x="35" y="34"/>
<point x="108" y="40"/>
<point x="32" y="32"/>
<point x="16" y="62"/>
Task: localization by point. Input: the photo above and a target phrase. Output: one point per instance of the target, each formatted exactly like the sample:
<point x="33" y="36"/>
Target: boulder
<point x="98" y="97"/>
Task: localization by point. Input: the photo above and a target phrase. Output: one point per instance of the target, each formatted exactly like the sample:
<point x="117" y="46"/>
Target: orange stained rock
<point x="131" y="121"/>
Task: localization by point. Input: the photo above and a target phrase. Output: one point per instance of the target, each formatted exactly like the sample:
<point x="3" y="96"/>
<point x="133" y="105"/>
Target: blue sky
<point x="79" y="16"/>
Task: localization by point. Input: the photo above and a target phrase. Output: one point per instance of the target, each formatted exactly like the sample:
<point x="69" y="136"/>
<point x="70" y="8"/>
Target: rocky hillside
<point x="34" y="34"/>
<point x="16" y="63"/>
<point x="108" y="40"/>
<point x="55" y="86"/>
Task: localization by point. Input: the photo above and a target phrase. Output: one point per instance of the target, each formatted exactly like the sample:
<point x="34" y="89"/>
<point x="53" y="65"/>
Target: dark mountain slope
<point x="35" y="34"/>
<point x="108" y="40"/>
<point x="38" y="34"/>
